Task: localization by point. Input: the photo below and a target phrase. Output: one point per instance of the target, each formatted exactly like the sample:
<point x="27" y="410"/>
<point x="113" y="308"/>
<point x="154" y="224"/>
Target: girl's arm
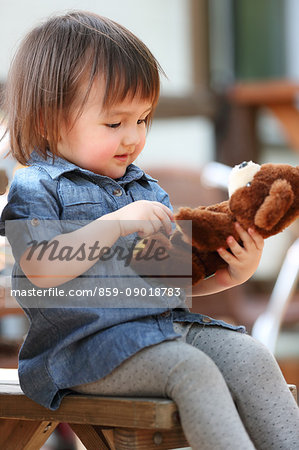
<point x="242" y="263"/>
<point x="144" y="217"/>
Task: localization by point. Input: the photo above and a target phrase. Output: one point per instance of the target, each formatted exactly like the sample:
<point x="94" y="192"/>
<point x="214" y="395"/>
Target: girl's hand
<point x="144" y="217"/>
<point x="243" y="261"/>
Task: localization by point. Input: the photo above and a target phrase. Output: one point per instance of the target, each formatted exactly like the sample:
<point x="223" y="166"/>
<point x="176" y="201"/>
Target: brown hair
<point x="50" y="66"/>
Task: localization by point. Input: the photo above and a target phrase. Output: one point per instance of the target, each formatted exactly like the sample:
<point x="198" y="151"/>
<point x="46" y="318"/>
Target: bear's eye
<point x="248" y="184"/>
<point x="243" y="164"/>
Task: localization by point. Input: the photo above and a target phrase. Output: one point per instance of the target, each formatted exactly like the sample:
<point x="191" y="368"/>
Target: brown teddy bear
<point x="265" y="197"/>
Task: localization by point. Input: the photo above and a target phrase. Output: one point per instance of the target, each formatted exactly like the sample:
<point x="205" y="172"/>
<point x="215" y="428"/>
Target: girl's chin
<point x="114" y="174"/>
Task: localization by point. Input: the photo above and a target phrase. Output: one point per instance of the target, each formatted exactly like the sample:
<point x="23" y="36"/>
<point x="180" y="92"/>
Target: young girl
<point x="81" y="94"/>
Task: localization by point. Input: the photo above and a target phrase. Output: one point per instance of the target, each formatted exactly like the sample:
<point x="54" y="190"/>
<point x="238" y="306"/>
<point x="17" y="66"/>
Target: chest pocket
<point x="142" y="192"/>
<point x="82" y="203"/>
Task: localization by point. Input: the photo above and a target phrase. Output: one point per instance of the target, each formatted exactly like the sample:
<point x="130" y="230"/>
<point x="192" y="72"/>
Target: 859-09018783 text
<point x="99" y="291"/>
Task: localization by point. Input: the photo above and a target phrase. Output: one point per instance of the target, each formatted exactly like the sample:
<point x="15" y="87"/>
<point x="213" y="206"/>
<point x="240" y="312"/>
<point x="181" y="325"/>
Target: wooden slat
<point x="236" y="137"/>
<point x="199" y="42"/>
<point x="288" y="117"/>
<point x="109" y="436"/>
<point x="105" y="411"/>
<point x="24" y="435"/>
<point x="202" y="102"/>
<point x="90" y="437"/>
<point x="128" y="439"/>
<point x="264" y="92"/>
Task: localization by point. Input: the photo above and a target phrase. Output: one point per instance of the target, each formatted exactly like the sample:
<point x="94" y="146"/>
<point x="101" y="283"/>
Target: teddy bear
<point x="264" y="197"/>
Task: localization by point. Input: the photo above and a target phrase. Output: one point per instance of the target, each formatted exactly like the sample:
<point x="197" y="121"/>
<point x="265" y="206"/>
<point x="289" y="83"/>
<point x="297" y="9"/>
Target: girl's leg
<point x="265" y="404"/>
<point x="177" y="370"/>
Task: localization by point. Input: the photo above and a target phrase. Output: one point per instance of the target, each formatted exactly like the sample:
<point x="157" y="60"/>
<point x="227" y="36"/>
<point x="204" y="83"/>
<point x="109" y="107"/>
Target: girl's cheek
<point x="110" y="143"/>
<point x="142" y="143"/>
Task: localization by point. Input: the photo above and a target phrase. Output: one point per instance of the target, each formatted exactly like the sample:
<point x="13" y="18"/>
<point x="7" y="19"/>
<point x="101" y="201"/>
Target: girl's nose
<point x="131" y="137"/>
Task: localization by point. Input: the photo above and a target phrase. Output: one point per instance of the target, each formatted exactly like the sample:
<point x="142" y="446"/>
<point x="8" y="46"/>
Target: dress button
<point x="117" y="192"/>
<point x="34" y="222"/>
<point x="206" y="319"/>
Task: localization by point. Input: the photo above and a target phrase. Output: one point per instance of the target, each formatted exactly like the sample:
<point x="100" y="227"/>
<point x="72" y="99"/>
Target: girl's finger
<point x="225" y="255"/>
<point x="257" y="238"/>
<point x="146" y="228"/>
<point x="164" y="220"/>
<point x="236" y="248"/>
<point x="246" y="238"/>
<point x="165" y="209"/>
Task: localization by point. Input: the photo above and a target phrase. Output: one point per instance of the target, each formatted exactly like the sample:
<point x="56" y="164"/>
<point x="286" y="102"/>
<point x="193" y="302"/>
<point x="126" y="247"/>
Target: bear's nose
<point x="243" y="164"/>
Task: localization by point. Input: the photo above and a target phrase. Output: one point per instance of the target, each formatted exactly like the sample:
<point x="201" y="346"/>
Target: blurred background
<point x="231" y="94"/>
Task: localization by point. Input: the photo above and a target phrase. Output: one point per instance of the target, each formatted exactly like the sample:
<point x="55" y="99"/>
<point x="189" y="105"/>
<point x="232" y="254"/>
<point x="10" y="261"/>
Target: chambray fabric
<point x="72" y="344"/>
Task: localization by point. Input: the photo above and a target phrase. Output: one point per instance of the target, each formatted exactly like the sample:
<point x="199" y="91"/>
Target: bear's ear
<point x="275" y="205"/>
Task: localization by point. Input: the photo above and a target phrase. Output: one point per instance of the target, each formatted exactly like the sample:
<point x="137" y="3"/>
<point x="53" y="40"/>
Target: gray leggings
<point x="228" y="388"/>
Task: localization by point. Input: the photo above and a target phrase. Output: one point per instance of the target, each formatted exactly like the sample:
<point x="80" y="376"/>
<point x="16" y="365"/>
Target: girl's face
<point x="105" y="141"/>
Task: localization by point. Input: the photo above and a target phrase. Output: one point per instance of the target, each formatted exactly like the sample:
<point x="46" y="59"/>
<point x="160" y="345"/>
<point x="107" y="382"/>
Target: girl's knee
<point x="250" y="363"/>
<point x="233" y="351"/>
<point x="256" y="352"/>
<point x="193" y="368"/>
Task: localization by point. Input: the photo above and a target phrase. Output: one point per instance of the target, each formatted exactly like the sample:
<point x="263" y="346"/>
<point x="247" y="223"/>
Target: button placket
<point x="35" y="222"/>
<point x="117" y="192"/>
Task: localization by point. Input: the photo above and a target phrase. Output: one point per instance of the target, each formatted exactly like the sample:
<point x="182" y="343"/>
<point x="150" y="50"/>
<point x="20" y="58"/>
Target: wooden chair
<point x="280" y="97"/>
<point x="115" y="423"/>
<point x="236" y="126"/>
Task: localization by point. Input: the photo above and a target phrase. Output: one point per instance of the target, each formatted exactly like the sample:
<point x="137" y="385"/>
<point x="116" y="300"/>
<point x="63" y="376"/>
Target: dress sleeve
<point x="31" y="215"/>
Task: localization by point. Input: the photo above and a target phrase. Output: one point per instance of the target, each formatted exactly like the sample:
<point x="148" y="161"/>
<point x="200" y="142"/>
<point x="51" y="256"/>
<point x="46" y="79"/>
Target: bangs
<point x="129" y="79"/>
<point x="129" y="84"/>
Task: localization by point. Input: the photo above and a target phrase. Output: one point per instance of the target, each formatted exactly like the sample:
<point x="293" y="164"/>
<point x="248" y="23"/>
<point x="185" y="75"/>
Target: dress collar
<point x="57" y="166"/>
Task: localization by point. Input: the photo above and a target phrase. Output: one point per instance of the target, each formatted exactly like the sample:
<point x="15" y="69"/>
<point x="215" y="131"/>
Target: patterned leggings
<point x="228" y="388"/>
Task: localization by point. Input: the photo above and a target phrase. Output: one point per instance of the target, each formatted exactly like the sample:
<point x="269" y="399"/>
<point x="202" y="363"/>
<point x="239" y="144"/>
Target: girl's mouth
<point x="122" y="158"/>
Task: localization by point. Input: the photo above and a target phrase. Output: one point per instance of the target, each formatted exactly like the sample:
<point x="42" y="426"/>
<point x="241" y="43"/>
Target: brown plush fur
<point x="269" y="204"/>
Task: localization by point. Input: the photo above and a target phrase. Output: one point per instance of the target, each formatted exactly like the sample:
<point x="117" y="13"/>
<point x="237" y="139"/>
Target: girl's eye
<point x="113" y="125"/>
<point x="140" y="121"/>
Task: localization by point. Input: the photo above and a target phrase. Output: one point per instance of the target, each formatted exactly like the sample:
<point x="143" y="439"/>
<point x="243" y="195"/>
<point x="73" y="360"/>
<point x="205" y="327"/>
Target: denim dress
<point x="75" y="340"/>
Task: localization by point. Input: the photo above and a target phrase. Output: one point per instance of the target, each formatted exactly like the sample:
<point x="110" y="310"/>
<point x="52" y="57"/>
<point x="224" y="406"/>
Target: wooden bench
<point x="101" y="423"/>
